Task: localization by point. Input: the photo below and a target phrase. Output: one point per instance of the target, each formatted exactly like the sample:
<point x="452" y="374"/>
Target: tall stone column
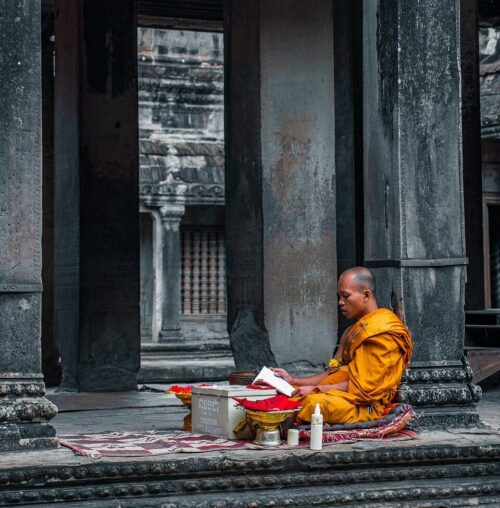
<point x="171" y="216"/>
<point x="24" y="412"/>
<point x="280" y="182"/>
<point x="414" y="210"/>
<point x="97" y="273"/>
<point x="158" y="233"/>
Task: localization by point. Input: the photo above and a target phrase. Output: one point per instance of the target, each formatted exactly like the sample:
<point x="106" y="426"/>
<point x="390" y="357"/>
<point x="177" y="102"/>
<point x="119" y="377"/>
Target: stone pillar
<point x="347" y="21"/>
<point x="471" y="141"/>
<point x="414" y="210"/>
<point x="280" y="182"/>
<point x="158" y="232"/>
<point x="171" y="216"/>
<point x="147" y="275"/>
<point x="96" y="202"/>
<point x="51" y="367"/>
<point x="24" y="412"/>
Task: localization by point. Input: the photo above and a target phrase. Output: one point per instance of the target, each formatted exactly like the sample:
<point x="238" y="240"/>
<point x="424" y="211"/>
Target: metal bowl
<point x="267" y="432"/>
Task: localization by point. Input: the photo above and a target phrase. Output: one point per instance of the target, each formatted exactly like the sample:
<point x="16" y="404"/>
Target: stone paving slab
<point x="68" y="401"/>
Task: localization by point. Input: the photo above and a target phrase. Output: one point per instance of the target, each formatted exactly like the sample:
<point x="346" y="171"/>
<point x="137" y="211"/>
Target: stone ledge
<point x="457" y="473"/>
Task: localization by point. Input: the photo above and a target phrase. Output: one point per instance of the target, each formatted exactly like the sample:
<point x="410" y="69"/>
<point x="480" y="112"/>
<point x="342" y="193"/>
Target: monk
<point x="363" y="377"/>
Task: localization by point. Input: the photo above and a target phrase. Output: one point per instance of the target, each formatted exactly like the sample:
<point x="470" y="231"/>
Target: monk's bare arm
<point x="343" y="387"/>
<point x="314" y="380"/>
<point x="301" y="381"/>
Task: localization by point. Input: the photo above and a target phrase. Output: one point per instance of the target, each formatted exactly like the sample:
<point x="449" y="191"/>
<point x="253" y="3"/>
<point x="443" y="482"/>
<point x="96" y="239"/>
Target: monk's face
<point x="353" y="299"/>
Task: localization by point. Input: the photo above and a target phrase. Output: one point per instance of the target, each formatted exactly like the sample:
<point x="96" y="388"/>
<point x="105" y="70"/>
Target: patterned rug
<point x="135" y="444"/>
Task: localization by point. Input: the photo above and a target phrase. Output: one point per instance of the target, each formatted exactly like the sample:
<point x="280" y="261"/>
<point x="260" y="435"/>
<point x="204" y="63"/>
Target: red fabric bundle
<point x="259" y="387"/>
<point x="276" y="403"/>
<point x="183" y="389"/>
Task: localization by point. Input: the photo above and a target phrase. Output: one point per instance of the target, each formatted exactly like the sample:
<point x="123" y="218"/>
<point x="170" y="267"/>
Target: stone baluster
<point x="212" y="272"/>
<point x="186" y="272"/>
<point x="221" y="274"/>
<point x="204" y="273"/>
<point x="196" y="273"/>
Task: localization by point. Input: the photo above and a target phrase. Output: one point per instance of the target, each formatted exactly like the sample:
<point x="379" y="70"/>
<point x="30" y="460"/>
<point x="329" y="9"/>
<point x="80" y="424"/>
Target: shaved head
<point x="356" y="292"/>
<point x="362" y="276"/>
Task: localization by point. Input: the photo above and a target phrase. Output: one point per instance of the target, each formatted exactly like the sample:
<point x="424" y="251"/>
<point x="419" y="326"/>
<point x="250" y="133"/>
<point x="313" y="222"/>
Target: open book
<point x="268" y="377"/>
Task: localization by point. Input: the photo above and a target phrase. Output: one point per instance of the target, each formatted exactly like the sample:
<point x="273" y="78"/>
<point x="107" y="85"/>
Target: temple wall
<point x="181" y="124"/>
<point x="181" y="96"/>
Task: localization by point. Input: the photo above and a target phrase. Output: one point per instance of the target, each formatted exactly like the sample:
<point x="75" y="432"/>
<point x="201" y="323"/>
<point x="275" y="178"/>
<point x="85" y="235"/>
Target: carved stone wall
<point x="489" y="57"/>
<point x="181" y="160"/>
<point x="181" y="100"/>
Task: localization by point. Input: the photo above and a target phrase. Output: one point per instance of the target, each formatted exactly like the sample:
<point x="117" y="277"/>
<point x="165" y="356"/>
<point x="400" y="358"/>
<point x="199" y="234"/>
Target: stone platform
<point x="459" y="467"/>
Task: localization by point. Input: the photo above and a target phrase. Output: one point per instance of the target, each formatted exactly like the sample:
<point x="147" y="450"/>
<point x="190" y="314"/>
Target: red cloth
<point x="183" y="389"/>
<point x="276" y="403"/>
<point x="262" y="386"/>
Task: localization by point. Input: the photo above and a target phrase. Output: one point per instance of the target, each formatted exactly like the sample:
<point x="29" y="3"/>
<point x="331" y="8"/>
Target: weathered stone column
<point x="158" y="232"/>
<point x="280" y="182"/>
<point x="24" y="412"/>
<point x="97" y="321"/>
<point x="168" y="204"/>
<point x="414" y="211"/>
<point x="171" y="216"/>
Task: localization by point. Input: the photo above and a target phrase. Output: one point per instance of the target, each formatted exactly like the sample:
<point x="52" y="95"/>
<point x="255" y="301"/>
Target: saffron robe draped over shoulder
<point x="374" y="353"/>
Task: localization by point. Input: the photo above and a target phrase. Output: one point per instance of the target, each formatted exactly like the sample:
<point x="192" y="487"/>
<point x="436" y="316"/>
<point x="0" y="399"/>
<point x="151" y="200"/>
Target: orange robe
<point x="374" y="352"/>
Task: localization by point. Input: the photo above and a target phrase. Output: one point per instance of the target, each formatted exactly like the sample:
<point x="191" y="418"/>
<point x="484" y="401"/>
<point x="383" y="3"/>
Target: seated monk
<point x="363" y="377"/>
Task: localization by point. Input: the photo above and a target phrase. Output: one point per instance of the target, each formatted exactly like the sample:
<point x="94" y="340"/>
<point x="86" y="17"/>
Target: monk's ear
<point x="367" y="293"/>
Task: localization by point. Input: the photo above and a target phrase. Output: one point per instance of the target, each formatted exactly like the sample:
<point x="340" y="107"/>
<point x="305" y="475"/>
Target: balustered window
<point x="203" y="272"/>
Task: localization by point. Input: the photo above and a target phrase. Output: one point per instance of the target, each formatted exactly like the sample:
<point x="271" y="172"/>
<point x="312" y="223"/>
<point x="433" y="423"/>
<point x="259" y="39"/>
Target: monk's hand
<point x="303" y="390"/>
<point x="284" y="374"/>
<point x="325" y="388"/>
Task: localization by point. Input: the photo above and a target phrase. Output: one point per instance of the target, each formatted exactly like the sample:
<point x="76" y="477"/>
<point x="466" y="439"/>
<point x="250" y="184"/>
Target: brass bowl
<point x="267" y="432"/>
<point x="186" y="399"/>
<point x="269" y="418"/>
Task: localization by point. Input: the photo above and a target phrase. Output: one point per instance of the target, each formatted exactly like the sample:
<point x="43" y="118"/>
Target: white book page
<point x="269" y="377"/>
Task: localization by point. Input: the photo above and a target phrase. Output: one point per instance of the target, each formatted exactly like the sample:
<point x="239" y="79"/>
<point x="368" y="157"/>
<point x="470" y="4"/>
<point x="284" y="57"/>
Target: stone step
<point x="185" y="369"/>
<point x="197" y="345"/>
<point x="437" y="470"/>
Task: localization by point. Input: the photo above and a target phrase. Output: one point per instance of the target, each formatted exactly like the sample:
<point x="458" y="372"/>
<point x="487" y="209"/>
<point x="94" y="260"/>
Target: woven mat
<point x="135" y="444"/>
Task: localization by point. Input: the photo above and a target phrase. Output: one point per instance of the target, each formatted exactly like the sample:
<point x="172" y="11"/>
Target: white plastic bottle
<point x="316" y="429"/>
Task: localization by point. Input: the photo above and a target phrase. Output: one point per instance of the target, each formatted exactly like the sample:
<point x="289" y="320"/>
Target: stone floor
<point x="354" y="474"/>
<point x="145" y="410"/>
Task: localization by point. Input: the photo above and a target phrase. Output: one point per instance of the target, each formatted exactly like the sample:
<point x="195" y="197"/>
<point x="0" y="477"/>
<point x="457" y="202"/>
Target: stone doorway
<point x="181" y="193"/>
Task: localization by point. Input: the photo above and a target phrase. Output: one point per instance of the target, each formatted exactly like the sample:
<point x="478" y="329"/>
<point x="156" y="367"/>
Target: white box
<point x="215" y="412"/>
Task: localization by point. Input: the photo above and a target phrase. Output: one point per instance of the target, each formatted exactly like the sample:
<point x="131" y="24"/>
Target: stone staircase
<point x="207" y="359"/>
<point x="435" y="471"/>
